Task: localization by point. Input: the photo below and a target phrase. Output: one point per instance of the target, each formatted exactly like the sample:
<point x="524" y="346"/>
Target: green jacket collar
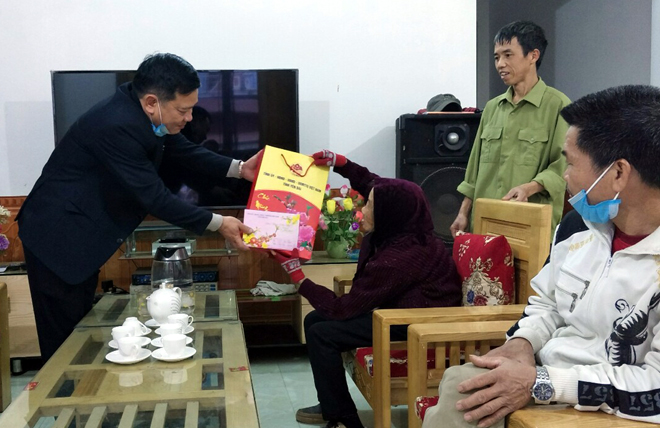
<point x="533" y="97"/>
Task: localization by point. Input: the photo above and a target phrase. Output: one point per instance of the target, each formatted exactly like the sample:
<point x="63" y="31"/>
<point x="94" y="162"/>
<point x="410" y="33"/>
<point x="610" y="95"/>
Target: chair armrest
<point x="445" y="336"/>
<point x="565" y="416"/>
<point x="383" y="319"/>
<point x="342" y="284"/>
<point x="389" y="317"/>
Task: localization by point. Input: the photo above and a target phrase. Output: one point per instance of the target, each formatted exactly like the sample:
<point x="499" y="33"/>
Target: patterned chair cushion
<point x="423" y="403"/>
<point x="485" y="265"/>
<point x="398" y="361"/>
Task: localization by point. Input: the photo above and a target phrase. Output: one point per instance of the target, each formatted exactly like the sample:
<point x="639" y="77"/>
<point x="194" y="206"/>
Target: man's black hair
<point x="165" y="75"/>
<point x="620" y="123"/>
<point x="529" y="35"/>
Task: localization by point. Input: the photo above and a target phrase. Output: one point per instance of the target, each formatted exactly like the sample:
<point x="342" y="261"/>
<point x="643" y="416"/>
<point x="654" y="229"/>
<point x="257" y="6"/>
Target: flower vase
<point x="337" y="249"/>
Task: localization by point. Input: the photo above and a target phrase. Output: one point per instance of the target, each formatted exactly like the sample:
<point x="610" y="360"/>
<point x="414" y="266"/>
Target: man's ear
<point x="150" y="103"/>
<point x="623" y="171"/>
<point x="534" y="54"/>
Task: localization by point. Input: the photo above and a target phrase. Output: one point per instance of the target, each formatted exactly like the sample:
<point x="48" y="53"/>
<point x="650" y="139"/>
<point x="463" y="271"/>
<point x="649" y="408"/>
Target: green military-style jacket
<point x="517" y="144"/>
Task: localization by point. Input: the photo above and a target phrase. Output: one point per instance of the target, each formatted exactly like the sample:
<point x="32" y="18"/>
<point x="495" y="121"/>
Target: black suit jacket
<point x="102" y="180"/>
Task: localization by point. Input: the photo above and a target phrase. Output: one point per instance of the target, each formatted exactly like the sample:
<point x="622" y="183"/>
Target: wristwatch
<point x="542" y="391"/>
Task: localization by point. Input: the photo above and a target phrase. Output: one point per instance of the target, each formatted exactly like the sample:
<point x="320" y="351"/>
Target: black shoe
<point x="310" y="415"/>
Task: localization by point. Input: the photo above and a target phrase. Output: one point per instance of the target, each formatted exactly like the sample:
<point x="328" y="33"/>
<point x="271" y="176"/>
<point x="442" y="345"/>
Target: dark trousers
<point x="58" y="306"/>
<point x="326" y="340"/>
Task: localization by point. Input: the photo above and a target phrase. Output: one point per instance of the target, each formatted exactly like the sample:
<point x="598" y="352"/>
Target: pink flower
<point x="327" y="189"/>
<point x="359" y="215"/>
<point x="343" y="190"/>
<point x="304" y="218"/>
<point x="305" y="234"/>
<point x="322" y="224"/>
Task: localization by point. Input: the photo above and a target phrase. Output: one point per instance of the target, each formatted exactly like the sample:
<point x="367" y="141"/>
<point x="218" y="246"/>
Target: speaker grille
<point x="445" y="201"/>
<point x="433" y="151"/>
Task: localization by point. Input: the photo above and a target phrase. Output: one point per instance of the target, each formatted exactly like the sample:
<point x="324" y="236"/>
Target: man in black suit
<point x="102" y="180"/>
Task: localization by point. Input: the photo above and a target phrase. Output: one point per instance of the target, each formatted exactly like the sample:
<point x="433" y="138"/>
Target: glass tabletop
<point x="113" y="309"/>
<point x="80" y="387"/>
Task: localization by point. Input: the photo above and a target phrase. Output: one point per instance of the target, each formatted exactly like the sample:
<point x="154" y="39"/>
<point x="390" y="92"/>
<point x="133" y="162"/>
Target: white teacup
<point x="129" y="346"/>
<point x="139" y="328"/>
<point x="174" y="344"/>
<point x="121" y="331"/>
<point x="170" y="328"/>
<point x="183" y="319"/>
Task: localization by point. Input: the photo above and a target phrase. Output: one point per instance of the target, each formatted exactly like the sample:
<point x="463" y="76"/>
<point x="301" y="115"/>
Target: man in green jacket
<point x="516" y="154"/>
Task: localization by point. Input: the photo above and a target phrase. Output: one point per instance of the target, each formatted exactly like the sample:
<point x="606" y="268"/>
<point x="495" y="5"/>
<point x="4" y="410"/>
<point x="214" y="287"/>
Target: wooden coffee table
<point x="78" y="385"/>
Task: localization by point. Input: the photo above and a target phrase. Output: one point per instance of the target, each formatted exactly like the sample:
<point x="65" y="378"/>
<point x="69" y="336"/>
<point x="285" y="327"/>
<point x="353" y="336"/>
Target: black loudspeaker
<point x="432" y="150"/>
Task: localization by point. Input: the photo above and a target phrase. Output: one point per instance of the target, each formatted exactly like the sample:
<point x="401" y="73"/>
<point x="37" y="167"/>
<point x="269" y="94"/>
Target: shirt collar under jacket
<point x="605" y="233"/>
<point x="533" y="97"/>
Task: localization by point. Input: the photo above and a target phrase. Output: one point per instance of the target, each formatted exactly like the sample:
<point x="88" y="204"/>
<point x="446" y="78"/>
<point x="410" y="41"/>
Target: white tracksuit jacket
<point x="596" y="323"/>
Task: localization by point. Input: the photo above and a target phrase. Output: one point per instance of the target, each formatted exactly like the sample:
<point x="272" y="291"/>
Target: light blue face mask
<point x="602" y="212"/>
<point x="160" y="130"/>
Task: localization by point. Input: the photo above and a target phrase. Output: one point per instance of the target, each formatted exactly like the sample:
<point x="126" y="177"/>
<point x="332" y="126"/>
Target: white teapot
<point x="163" y="302"/>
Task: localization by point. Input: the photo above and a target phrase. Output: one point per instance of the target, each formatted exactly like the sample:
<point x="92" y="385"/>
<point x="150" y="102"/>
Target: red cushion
<point x="485" y="264"/>
<point x="398" y="361"/>
<point x="423" y="403"/>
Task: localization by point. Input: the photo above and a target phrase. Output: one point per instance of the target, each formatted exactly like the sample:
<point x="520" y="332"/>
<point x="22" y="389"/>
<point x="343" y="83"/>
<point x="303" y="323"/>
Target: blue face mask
<point x="160" y="130"/>
<point x="602" y="212"/>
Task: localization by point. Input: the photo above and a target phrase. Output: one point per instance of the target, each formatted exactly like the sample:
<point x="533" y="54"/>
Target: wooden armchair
<point x="5" y="373"/>
<point x="450" y="338"/>
<point x="447" y="339"/>
<point x="527" y="227"/>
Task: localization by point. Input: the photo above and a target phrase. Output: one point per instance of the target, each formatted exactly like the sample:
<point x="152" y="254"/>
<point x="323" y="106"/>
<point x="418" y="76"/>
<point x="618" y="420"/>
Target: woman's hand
<point x="328" y="158"/>
<point x="291" y="265"/>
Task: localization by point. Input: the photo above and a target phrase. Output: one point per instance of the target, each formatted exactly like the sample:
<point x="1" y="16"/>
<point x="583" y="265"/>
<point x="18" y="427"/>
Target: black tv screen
<point x="238" y="113"/>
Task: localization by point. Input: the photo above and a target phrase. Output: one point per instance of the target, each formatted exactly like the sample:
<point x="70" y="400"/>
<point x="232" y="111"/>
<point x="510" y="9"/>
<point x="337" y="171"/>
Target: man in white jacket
<point x="591" y="338"/>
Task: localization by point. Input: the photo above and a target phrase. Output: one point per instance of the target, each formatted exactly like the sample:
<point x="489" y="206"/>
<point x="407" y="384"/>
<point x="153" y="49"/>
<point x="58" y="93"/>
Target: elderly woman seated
<point x="401" y="265"/>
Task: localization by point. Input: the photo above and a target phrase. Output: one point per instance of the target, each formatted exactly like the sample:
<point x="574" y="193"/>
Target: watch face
<point x="543" y="391"/>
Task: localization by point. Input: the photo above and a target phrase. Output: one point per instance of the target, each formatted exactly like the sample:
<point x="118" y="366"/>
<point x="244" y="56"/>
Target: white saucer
<point x="118" y="358"/>
<point x="160" y="354"/>
<point x="144" y="342"/>
<point x="157" y="342"/>
<point x="152" y="323"/>
<point x="189" y="330"/>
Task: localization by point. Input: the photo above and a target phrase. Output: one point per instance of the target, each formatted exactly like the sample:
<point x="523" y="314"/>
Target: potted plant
<point x="340" y="221"/>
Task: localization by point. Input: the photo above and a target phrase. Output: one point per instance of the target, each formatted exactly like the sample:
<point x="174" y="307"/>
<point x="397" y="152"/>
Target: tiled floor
<point x="282" y="381"/>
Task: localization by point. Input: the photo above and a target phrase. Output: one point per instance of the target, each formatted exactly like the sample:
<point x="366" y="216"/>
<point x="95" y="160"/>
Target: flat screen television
<point x="239" y="111"/>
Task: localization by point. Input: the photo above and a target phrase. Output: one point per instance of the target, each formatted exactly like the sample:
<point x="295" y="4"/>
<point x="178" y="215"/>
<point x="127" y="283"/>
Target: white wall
<point x="655" y="43"/>
<point x="593" y="44"/>
<point x="602" y="43"/>
<point x="362" y="62"/>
